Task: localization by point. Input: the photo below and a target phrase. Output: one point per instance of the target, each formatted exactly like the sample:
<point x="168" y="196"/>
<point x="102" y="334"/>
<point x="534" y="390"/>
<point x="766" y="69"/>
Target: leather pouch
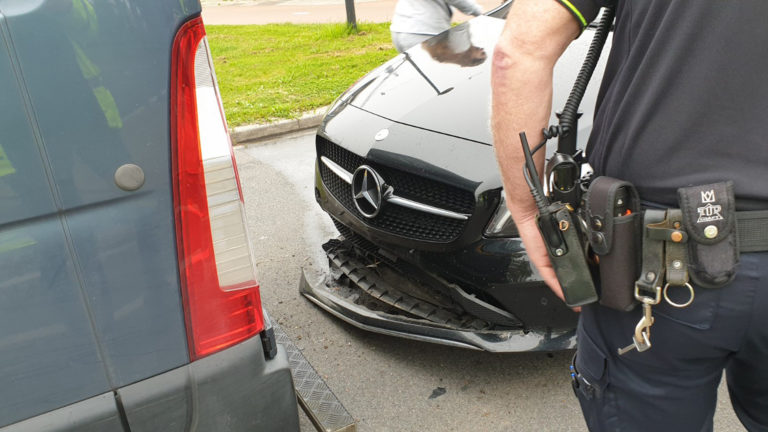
<point x="709" y="217"/>
<point x="614" y="218"/>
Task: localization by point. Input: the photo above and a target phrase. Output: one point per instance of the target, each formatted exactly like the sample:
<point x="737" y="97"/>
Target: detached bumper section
<point x="375" y="297"/>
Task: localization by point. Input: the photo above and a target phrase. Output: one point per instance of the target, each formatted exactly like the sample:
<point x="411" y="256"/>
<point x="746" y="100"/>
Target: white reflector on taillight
<point x="234" y="260"/>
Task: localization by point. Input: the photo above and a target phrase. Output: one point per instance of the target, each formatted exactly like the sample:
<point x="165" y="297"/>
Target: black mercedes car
<point x="406" y="170"/>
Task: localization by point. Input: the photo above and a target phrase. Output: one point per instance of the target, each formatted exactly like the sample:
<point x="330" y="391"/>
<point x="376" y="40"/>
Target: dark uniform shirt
<point x="684" y="99"/>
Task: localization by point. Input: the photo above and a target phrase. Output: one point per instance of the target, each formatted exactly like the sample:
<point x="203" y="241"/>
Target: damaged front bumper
<point x="358" y="293"/>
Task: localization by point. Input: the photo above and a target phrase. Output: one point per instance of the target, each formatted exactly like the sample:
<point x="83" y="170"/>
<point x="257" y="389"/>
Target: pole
<point x="351" y="19"/>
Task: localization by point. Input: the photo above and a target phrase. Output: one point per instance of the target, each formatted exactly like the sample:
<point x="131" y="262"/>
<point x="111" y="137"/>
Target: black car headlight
<point x="501" y="224"/>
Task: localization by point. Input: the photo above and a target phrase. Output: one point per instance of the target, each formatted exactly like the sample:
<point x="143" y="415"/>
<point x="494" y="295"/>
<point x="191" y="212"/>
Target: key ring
<point x="679" y="305"/>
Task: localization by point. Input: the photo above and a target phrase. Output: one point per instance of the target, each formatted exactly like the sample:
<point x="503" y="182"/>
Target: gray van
<point x="128" y="300"/>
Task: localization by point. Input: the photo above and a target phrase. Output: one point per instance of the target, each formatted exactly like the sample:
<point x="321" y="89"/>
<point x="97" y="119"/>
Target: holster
<point x="568" y="257"/>
<point x="614" y="217"/>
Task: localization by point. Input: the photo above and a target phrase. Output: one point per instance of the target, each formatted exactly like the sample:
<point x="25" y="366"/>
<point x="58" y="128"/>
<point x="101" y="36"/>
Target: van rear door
<point x="49" y="354"/>
<point x="89" y="285"/>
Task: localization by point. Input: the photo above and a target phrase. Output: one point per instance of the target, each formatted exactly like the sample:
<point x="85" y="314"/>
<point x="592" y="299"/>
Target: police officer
<point x="682" y="102"/>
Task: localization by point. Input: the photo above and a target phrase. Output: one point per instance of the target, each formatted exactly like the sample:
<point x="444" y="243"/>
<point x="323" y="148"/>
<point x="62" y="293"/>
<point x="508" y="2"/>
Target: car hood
<point x="443" y="84"/>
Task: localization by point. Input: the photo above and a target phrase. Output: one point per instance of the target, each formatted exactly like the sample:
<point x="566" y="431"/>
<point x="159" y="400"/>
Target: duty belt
<point x="664" y="258"/>
<point x="752" y="230"/>
<point x="652" y="250"/>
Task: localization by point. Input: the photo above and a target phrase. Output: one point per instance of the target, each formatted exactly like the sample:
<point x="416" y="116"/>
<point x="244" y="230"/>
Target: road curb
<point x="252" y="134"/>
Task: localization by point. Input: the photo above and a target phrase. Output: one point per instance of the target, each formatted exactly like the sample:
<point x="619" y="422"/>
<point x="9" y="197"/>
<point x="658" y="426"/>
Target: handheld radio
<point x="563" y="238"/>
<point x="558" y="221"/>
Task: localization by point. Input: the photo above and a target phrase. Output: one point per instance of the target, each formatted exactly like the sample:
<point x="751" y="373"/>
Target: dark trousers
<point x="673" y="385"/>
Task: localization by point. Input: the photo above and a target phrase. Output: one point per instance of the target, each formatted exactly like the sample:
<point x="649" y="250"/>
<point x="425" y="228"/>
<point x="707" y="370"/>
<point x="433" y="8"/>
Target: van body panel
<point x="89" y="295"/>
<point x="49" y="355"/>
<point x="92" y="326"/>
<point x="97" y="414"/>
<point x="24" y="188"/>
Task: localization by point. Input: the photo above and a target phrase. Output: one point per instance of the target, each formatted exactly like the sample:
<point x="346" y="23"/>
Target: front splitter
<point x="319" y="289"/>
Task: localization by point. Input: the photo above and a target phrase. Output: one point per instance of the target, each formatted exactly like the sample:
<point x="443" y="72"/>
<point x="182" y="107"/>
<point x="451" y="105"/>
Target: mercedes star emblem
<point x="367" y="191"/>
<point x="382" y="134"/>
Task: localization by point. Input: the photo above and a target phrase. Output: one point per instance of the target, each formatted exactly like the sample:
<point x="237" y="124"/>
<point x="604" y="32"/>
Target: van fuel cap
<point x="129" y="177"/>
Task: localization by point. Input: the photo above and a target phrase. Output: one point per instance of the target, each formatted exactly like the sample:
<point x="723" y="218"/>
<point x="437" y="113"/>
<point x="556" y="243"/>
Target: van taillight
<point x="218" y="284"/>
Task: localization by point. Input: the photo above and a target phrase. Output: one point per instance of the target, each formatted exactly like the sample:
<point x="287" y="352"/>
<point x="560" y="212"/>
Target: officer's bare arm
<point x="535" y="35"/>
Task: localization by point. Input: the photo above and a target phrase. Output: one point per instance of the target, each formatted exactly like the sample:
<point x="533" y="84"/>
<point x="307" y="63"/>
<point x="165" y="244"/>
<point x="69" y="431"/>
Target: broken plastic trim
<point x="320" y="290"/>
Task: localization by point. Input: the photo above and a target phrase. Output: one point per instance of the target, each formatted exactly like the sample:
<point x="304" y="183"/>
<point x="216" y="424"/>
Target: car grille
<point x="395" y="219"/>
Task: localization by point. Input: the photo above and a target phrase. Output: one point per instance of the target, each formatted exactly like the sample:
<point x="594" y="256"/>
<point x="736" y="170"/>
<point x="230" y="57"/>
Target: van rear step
<point x="317" y="400"/>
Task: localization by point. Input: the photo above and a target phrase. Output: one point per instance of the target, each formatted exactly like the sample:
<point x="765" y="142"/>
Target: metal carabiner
<point x="656" y="299"/>
<point x="641" y="340"/>
<point x="643" y="328"/>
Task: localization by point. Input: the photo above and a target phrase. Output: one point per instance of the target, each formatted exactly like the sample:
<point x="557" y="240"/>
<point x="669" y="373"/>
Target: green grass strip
<point x="278" y="71"/>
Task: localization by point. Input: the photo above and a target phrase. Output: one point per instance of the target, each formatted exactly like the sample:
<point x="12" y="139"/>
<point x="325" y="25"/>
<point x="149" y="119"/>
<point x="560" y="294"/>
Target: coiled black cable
<point x="568" y="116"/>
<point x="553" y="131"/>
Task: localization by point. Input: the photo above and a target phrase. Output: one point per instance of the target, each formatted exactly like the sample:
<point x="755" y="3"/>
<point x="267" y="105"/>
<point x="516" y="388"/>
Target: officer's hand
<point x="537" y="253"/>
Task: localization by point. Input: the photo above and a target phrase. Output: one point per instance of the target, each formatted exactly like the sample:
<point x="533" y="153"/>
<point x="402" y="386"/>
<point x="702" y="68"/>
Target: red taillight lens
<point x="219" y="290"/>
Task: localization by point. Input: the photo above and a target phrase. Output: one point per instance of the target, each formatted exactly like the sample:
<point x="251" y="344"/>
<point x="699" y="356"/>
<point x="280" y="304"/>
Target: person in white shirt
<point x="415" y="21"/>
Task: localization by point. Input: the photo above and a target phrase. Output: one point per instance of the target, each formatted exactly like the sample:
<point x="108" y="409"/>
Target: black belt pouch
<point x="614" y="218"/>
<point x="709" y="217"/>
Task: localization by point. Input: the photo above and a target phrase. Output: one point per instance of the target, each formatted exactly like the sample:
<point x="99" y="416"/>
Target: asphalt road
<point x="386" y="383"/>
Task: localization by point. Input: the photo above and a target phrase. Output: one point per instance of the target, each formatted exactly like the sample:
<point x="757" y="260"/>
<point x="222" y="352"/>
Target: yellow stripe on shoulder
<point x="575" y="11"/>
